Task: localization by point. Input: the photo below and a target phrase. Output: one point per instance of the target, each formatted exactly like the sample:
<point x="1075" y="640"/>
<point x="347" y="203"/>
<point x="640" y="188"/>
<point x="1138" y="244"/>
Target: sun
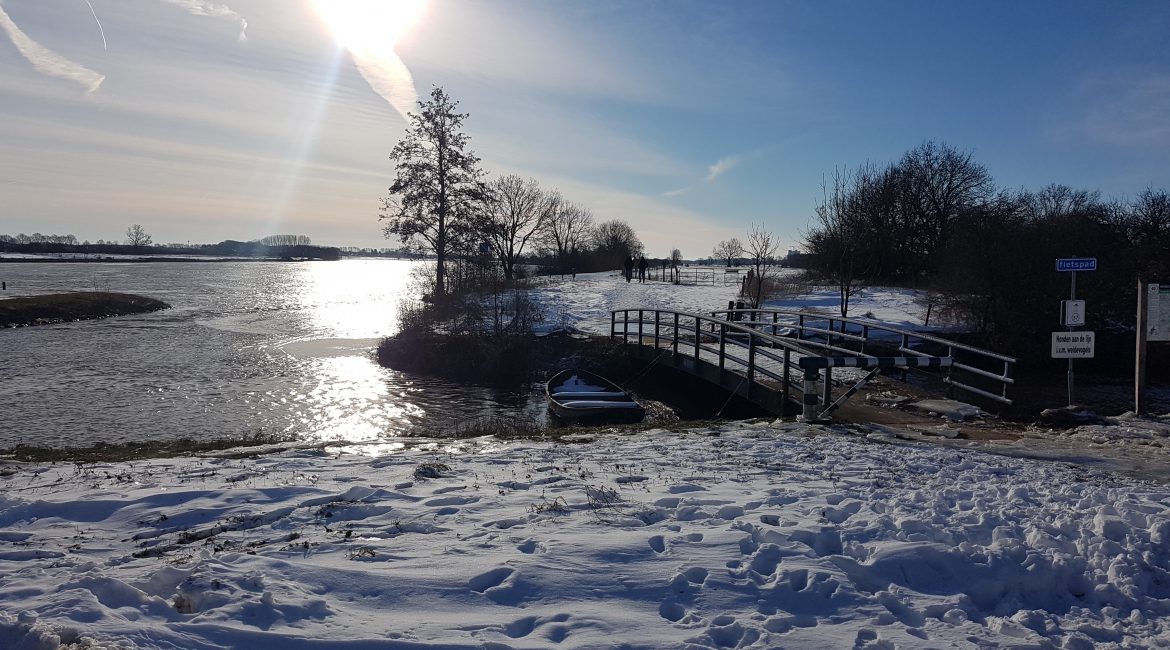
<point x="369" y="25"/>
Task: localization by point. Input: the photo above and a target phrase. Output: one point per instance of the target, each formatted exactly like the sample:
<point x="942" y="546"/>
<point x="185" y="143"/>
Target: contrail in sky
<point x="47" y="61"/>
<point x="99" y="23"/>
<point x="388" y="76"/>
<point x="202" y="8"/>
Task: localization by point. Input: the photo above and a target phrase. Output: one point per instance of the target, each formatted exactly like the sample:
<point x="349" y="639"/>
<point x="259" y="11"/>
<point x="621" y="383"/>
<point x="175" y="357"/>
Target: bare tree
<point x="437" y="187"/>
<point x="614" y="241"/>
<point x="567" y="230"/>
<point x="855" y="210"/>
<point x="761" y="248"/>
<point x="137" y="236"/>
<point x="728" y="250"/>
<point x="937" y="183"/>
<point x="514" y="211"/>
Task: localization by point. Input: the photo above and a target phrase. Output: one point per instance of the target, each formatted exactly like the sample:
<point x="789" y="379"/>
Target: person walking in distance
<point x="629" y="266"/>
<point x="642" y="269"/>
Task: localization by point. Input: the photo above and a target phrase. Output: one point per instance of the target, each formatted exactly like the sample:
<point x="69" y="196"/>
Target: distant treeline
<point x="275" y="246"/>
<point x="936" y="220"/>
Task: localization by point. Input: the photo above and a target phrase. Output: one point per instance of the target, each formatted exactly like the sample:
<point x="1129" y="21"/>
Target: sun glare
<point x="369" y="25"/>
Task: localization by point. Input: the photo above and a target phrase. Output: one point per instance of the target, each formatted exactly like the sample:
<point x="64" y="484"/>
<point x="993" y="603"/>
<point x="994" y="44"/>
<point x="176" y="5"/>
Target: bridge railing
<point x="754" y="354"/>
<point x="974" y="370"/>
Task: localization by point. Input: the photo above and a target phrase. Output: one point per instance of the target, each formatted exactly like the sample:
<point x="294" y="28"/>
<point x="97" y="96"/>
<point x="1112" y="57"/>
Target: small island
<point x="66" y="307"/>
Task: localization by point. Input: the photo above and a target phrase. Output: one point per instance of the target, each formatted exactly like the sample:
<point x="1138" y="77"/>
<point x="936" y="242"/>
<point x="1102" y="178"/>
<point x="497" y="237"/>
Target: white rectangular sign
<point x="1158" y="318"/>
<point x="1074" y="312"/>
<point x="1072" y="345"/>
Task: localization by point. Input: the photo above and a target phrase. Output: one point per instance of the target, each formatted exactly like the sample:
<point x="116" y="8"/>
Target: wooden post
<point x="1139" y="369"/>
<point x="657" y="317"/>
<point x="640" y="319"/>
<point x="626" y="326"/>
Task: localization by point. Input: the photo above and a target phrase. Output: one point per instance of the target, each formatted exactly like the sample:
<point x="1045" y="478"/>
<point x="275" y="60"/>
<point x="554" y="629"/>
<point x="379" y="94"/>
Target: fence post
<point x="612" y="324"/>
<point x="626" y="326"/>
<point x="800" y="327"/>
<point x="640" y="318"/>
<point x="657" y="318"/>
<point x="864" y="337"/>
<point x="774" y="315"/>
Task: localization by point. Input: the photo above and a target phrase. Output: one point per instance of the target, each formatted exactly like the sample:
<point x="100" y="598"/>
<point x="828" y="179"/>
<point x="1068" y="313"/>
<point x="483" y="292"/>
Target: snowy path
<point x="745" y="536"/>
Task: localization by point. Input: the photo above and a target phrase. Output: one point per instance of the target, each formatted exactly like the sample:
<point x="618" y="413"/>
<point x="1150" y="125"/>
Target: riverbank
<point x="74" y="306"/>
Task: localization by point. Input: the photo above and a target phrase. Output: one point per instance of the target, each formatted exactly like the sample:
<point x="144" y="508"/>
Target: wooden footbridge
<point x="768" y="355"/>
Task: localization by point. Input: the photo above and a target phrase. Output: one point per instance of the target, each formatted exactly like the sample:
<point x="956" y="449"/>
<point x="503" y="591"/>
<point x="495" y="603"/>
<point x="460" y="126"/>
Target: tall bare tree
<point x="728" y="250"/>
<point x="761" y="248"/>
<point x="437" y="187"/>
<point x="514" y="211"/>
<point x="856" y="213"/>
<point x="137" y="236"/>
<point x="567" y="230"/>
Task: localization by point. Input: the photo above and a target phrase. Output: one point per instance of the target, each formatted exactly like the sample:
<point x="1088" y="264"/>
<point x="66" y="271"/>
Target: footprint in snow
<point x="450" y="501"/>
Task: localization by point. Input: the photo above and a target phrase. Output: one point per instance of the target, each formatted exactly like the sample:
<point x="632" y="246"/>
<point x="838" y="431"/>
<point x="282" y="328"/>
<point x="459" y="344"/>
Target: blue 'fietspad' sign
<point x="1077" y="264"/>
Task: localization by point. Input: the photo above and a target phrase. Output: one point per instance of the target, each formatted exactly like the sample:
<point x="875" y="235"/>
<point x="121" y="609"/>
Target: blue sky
<point x="690" y="120"/>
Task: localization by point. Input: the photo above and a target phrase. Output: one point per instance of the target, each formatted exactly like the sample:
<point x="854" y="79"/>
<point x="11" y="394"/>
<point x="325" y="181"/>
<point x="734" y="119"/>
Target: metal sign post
<point x="1153" y="324"/>
<point x="1069" y="312"/>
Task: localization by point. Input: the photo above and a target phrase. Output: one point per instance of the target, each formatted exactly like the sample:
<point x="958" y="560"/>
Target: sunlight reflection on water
<point x="248" y="349"/>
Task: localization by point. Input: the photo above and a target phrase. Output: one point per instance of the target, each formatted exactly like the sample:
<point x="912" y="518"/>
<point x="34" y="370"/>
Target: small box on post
<point x="1072" y="313"/>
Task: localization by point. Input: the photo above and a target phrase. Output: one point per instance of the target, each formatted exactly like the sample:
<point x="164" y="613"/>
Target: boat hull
<point x="578" y="395"/>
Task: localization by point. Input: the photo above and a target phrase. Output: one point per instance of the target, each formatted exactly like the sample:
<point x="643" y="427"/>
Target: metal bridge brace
<point x="849" y="393"/>
<point x="812" y="366"/>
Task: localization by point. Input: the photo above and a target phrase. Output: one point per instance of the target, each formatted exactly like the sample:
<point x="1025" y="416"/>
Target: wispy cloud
<point x="1126" y="109"/>
<point x="722" y="166"/>
<point x="47" y="61"/>
<point x="212" y="10"/>
<point x="680" y="191"/>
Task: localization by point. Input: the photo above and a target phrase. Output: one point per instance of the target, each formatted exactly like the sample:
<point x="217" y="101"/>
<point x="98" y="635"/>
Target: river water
<point x="247" y="349"/>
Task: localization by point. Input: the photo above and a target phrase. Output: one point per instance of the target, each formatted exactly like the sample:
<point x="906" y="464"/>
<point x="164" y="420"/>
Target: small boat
<point x="582" y="395"/>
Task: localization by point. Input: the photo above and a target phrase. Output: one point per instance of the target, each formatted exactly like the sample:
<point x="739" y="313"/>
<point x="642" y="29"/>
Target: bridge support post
<point x="722" y="351"/>
<point x="810" y="394"/>
<point x="785" y="384"/>
<point x="751" y="366"/>
<point x="697" y="335"/>
<point x="674" y="335"/>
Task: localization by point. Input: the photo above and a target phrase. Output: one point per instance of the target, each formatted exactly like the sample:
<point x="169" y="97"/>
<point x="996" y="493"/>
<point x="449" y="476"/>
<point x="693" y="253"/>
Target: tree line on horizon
<point x="139" y="241"/>
<point x="936" y="220"/>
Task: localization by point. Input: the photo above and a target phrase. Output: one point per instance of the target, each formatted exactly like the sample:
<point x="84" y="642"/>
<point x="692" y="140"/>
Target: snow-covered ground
<point x="585" y="302"/>
<point x="743" y="535"/>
